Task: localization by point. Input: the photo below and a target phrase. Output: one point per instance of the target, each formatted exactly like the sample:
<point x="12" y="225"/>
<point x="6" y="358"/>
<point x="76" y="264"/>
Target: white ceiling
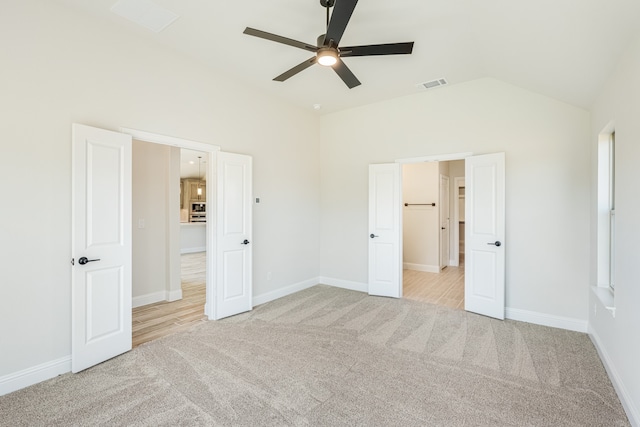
<point x="561" y="48"/>
<point x="189" y="164"/>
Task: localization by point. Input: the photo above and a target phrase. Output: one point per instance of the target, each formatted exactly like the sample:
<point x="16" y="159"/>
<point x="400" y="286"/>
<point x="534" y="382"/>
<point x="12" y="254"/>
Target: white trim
<point x="421" y="267"/>
<point x="435" y="158"/>
<point x="632" y="411"/>
<point x="141" y="135"/>
<point x="345" y="284"/>
<point x="154" y="297"/>
<point x="283" y="292"/>
<point x="34" y="375"/>
<point x="458" y="182"/>
<point x="193" y="250"/>
<point x="147" y="299"/>
<point x="560" y="322"/>
<point x="606" y="298"/>
<point x="174" y="295"/>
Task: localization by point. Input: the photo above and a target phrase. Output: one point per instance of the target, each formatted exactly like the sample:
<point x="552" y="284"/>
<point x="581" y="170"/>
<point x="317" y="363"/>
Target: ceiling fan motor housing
<point x="327" y="3"/>
<point x="320" y="42"/>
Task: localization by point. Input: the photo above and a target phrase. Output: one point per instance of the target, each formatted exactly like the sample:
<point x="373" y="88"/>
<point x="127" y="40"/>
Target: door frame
<point x="433" y="158"/>
<point x="212" y="151"/>
<point x="458" y="183"/>
<point x="447" y="261"/>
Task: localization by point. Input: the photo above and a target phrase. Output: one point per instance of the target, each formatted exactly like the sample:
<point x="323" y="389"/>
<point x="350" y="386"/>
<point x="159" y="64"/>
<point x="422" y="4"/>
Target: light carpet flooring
<point x="333" y="357"/>
<point x="157" y="320"/>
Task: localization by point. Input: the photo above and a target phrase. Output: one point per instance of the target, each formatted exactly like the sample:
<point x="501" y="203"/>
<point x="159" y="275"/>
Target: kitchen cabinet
<point x="193" y="191"/>
<point x="189" y="192"/>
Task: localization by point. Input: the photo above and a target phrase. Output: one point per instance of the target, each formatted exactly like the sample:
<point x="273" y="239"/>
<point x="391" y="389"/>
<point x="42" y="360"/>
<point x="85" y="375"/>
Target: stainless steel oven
<point x="198" y="212"/>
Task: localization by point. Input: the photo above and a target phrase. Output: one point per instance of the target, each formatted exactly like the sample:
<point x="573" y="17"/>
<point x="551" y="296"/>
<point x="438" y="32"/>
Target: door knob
<point x="373" y="235"/>
<point x="84" y="260"/>
<point x="245" y="242"/>
<point x="496" y="243"/>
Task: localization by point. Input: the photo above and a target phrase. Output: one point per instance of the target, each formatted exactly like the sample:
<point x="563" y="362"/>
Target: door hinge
<point x="73" y="262"/>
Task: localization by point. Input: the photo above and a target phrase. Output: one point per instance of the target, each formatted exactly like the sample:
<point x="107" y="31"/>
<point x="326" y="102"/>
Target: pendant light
<point x="199" y="187"/>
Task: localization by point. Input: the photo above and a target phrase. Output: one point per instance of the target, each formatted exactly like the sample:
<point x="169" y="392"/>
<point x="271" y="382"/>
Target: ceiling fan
<point x="328" y="52"/>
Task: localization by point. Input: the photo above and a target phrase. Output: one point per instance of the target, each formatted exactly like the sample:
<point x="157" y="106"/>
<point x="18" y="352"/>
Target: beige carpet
<point x="331" y="357"/>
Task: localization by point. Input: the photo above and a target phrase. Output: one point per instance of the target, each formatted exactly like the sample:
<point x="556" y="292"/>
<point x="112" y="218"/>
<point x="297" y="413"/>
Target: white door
<point x="233" y="269"/>
<point x="385" y="216"/>
<point x="485" y="235"/>
<point x="101" y="246"/>
<point x="444" y="221"/>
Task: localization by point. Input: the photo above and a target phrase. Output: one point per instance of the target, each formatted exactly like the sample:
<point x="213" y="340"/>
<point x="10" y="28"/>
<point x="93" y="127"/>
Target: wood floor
<point x="444" y="288"/>
<point x="164" y="318"/>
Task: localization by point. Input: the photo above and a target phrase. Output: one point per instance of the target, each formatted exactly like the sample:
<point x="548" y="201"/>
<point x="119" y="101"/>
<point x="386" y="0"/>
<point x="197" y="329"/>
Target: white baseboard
<point x="345" y="284"/>
<point x="631" y="408"/>
<point x="421" y="267"/>
<point x="560" y="322"/>
<point x="283" y="292"/>
<point x="154" y="297"/>
<point x="174" y="295"/>
<point x="148" y="299"/>
<point x="193" y="250"/>
<point x="30" y="376"/>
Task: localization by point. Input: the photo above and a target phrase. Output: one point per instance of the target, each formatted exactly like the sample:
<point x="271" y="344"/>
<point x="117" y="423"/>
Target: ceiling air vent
<point x="145" y="13"/>
<point x="434" y="83"/>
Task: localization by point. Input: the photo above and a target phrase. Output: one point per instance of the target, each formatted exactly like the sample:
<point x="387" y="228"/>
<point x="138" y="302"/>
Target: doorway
<point x="432" y="229"/>
<point x="101" y="236"/>
<point x="169" y="191"/>
<point x="484" y="279"/>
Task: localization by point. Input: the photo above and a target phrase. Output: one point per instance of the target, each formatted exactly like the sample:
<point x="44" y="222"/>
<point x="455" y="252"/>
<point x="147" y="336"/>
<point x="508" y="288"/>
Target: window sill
<point x="606" y="298"/>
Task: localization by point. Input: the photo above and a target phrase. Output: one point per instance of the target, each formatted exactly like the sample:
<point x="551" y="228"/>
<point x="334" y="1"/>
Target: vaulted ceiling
<point x="560" y="48"/>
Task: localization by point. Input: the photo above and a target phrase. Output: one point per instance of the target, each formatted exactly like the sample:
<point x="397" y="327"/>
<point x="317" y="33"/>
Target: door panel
<point x="105" y="290"/>
<point x="234" y="280"/>
<point x="233" y="294"/>
<point x="101" y="218"/>
<point x="485" y="233"/>
<point x="385" y="263"/>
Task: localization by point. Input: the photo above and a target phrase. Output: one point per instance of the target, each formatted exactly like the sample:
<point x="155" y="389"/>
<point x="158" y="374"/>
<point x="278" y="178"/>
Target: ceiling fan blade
<point x="295" y="70"/>
<point x="345" y="74"/>
<point x="342" y="12"/>
<point x="377" y="49"/>
<point x="279" y="39"/>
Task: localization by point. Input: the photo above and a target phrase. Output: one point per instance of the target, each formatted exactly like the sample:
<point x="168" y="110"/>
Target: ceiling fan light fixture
<point x="327" y="56"/>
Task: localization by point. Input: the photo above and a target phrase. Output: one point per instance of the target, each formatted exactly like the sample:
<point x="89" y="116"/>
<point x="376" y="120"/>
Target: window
<point x="606" y="210"/>
<point x="612" y="209"/>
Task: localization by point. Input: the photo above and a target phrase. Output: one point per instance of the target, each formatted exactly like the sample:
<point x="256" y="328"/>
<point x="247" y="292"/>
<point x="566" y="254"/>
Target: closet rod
<point x="419" y="204"/>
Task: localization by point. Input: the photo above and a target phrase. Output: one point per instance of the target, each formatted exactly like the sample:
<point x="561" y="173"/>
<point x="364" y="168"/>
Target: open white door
<point x="101" y="246"/>
<point x="385" y="227"/>
<point x="485" y="232"/>
<point x="233" y="269"/>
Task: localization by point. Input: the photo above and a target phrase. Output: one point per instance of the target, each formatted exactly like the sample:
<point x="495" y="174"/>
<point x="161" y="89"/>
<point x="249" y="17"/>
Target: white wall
<point x="420" y="228"/>
<point x="547" y="194"/>
<point x="150" y="212"/>
<point x="619" y="338"/>
<point x="193" y="237"/>
<point x="60" y="66"/>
